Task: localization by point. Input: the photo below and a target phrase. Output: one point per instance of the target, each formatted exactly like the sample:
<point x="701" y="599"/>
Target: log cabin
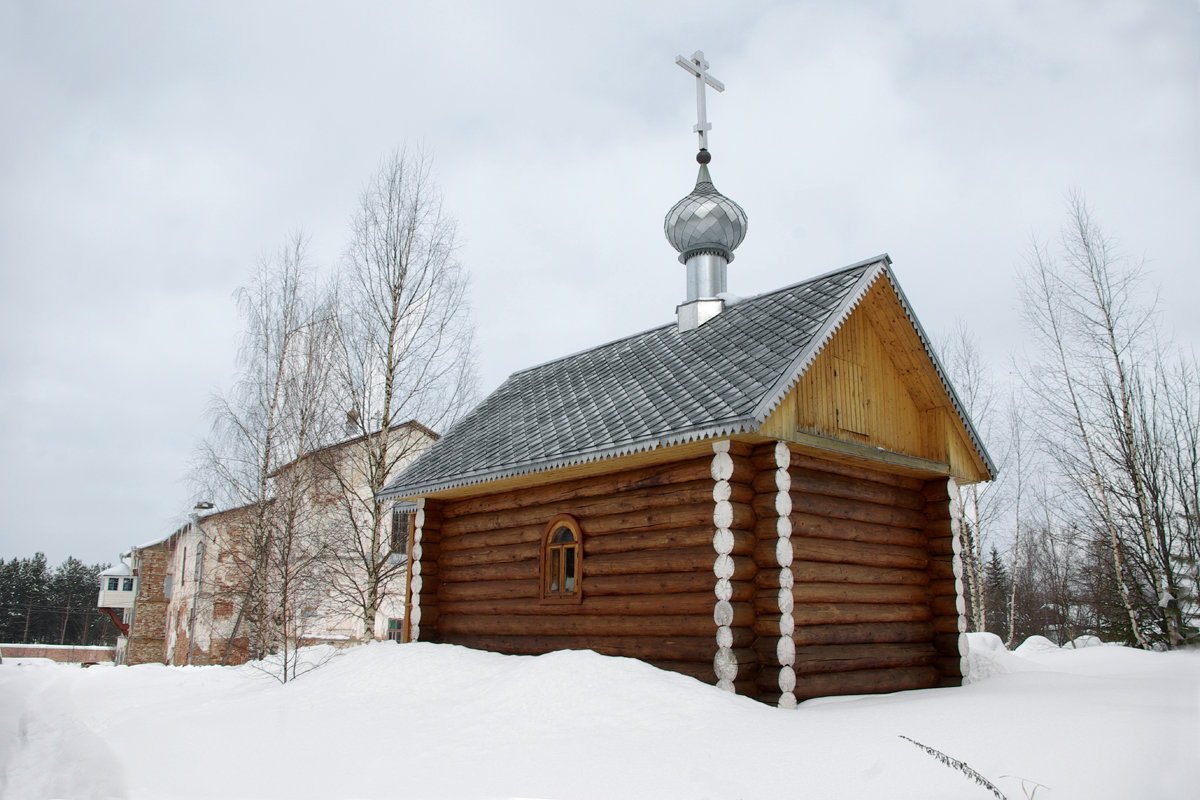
<point x="761" y="494"/>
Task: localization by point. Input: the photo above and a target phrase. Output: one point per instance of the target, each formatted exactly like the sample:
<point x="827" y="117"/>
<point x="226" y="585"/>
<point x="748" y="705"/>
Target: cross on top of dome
<point x="698" y="66"/>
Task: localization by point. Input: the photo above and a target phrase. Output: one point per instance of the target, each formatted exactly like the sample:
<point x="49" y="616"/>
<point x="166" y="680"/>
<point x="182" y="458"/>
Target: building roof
<point x="182" y="529"/>
<point x="412" y="425"/>
<point x="661" y="387"/>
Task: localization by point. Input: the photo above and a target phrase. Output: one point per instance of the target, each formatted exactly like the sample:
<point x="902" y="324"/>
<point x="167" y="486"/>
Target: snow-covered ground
<point x="425" y="720"/>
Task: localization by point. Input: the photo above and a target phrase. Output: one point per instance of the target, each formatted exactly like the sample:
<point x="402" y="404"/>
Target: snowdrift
<point x="423" y="720"/>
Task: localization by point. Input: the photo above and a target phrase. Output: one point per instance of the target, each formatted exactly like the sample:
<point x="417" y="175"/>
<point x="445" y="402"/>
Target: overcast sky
<point x="150" y="153"/>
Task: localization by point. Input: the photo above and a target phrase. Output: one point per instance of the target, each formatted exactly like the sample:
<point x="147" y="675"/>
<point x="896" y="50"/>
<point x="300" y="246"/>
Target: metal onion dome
<point x="705" y="222"/>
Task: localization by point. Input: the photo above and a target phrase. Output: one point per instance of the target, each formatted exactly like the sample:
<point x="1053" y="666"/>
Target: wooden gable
<point x="874" y="393"/>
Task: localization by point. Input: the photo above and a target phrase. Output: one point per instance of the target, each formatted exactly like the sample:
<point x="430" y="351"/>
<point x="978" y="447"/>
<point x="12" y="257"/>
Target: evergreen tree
<point x="40" y="606"/>
<point x="72" y="595"/>
<point x="8" y="602"/>
<point x="997" y="587"/>
<point x="30" y="611"/>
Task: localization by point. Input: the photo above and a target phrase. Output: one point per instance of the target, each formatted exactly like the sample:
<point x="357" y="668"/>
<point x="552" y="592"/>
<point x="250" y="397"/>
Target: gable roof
<point x="657" y="388"/>
<point x="326" y="450"/>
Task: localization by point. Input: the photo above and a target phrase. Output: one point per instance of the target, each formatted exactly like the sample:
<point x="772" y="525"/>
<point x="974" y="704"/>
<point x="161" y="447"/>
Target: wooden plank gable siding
<point x="874" y="385"/>
<point x="786" y="575"/>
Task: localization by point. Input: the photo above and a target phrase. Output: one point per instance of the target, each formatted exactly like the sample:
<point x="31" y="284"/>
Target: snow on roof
<point x="154" y="542"/>
<point x="120" y="568"/>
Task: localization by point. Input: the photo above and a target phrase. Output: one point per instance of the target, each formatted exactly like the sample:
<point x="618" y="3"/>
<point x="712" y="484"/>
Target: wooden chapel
<point x="761" y="495"/>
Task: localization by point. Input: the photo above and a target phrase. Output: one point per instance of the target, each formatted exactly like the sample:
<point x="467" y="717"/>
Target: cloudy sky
<point x="151" y="153"/>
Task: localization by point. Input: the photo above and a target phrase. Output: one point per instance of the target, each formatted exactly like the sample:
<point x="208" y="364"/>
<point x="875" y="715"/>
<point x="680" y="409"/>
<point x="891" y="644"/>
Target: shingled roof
<point x="656" y="388"/>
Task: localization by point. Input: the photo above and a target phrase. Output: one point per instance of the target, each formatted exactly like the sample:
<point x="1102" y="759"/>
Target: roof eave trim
<point x="774" y="397"/>
<point x="724" y="428"/>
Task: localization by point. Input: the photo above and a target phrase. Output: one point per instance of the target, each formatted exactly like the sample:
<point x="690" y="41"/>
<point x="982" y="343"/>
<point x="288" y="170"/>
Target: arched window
<point x="562" y="560"/>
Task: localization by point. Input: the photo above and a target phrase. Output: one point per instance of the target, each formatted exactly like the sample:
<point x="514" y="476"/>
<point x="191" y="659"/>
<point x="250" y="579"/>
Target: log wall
<point x="647" y="568"/>
<point x="735" y="667"/>
<point x="770" y="572"/>
<point x="424" y="583"/>
<point x="945" y="581"/>
<point x="867" y="611"/>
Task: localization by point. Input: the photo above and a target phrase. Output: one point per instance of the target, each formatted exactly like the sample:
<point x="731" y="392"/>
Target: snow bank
<point x="426" y="720"/>
<point x="1080" y="642"/>
<point x="39" y="663"/>
<point x="987" y="657"/>
<point x="1035" y="646"/>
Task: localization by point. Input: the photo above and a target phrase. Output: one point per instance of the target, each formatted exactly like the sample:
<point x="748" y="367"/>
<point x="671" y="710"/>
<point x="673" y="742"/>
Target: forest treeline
<point x="44" y="605"/>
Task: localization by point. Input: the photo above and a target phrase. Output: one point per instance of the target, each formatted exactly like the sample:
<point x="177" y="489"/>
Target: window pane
<point x="569" y="569"/>
<point x="112" y="584"/>
<point x="553" y="567"/>
<point x="127" y="585"/>
<point x="563" y="535"/>
<point x="401" y="521"/>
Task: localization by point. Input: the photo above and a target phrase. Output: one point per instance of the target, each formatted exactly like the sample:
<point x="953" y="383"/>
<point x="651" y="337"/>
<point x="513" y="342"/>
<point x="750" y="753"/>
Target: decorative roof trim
<point x="725" y="428"/>
<point x="838" y="318"/>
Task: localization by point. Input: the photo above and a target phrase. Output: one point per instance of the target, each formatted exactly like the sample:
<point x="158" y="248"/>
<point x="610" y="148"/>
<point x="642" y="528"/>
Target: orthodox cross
<point x="699" y="67"/>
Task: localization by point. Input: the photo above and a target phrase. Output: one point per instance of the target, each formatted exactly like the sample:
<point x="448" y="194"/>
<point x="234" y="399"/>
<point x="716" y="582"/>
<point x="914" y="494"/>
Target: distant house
<point x="761" y="495"/>
<point x="190" y="602"/>
<point x="118" y="588"/>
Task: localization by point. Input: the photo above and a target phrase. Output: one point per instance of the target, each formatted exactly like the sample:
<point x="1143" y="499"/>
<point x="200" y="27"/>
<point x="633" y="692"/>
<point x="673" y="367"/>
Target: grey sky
<point x="151" y="152"/>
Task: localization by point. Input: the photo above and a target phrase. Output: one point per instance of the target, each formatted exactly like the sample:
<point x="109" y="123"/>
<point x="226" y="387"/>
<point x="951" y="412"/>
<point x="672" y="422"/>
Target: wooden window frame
<point x="399" y="543"/>
<point x="576" y="596"/>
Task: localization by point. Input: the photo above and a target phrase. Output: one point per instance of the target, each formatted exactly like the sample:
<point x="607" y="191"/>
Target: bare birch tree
<point x="1100" y="361"/>
<point x="299" y="538"/>
<point x="406" y="353"/>
<point x="1180" y="393"/>
<point x="1017" y="449"/>
<point x="274" y="416"/>
<point x="982" y="503"/>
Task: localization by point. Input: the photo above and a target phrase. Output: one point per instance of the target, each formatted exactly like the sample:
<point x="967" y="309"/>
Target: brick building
<point x="195" y="602"/>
